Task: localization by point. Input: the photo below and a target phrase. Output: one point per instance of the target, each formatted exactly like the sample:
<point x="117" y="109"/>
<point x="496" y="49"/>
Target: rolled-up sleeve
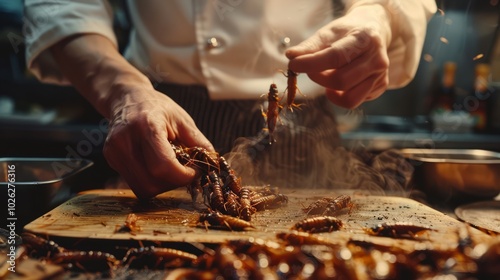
<point x="48" y="22"/>
<point x="409" y="25"/>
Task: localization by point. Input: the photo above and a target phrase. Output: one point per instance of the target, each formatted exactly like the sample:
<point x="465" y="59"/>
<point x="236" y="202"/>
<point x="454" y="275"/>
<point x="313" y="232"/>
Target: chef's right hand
<point x="137" y="146"/>
<point x="348" y="56"/>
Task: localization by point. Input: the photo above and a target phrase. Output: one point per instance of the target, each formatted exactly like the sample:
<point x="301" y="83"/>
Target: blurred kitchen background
<point x="44" y="120"/>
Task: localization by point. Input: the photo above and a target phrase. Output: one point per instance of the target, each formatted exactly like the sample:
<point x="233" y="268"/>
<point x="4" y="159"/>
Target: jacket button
<point x="213" y="43"/>
<point x="285" y="42"/>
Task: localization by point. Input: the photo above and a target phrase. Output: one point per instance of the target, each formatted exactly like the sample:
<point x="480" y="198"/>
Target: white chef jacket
<point x="233" y="47"/>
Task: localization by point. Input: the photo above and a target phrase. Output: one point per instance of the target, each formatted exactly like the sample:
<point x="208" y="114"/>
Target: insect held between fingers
<point x="273" y="110"/>
<point x="291" y="89"/>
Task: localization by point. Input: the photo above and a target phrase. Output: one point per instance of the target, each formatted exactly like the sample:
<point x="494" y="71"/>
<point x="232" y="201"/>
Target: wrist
<point x="112" y="82"/>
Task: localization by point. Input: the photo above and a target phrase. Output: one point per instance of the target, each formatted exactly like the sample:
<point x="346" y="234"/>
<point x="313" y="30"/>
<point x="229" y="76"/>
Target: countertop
<point x="367" y="211"/>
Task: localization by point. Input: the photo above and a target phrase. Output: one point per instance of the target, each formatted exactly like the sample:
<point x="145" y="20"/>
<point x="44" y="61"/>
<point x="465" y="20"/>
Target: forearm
<point x="97" y="70"/>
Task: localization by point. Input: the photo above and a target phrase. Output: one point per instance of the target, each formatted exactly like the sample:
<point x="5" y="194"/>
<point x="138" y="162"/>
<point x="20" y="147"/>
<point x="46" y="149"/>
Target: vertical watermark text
<point x="11" y="217"/>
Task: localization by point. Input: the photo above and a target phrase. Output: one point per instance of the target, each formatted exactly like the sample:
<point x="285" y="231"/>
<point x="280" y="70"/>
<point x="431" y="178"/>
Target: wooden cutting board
<point x="172" y="217"/>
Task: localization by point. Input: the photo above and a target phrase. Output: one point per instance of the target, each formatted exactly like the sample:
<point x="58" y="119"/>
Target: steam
<point x="308" y="154"/>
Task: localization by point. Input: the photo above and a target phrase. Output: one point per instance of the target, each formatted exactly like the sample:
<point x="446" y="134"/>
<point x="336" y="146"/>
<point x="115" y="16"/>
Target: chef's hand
<point x="138" y="147"/>
<point x="142" y="120"/>
<point x="348" y="56"/>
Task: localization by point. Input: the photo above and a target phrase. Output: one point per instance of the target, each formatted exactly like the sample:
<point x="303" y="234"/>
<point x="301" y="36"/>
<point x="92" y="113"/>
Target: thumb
<point x="315" y="43"/>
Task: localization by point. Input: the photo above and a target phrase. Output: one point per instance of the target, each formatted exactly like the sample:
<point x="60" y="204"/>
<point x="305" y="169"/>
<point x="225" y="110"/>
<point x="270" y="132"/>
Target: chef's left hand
<point x="348" y="56"/>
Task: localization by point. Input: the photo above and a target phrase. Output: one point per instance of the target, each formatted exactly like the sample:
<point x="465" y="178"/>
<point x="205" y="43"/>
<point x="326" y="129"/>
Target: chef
<point x="197" y="72"/>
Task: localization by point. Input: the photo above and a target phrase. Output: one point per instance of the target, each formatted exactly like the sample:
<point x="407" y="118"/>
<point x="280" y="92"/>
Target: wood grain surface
<point x="172" y="217"/>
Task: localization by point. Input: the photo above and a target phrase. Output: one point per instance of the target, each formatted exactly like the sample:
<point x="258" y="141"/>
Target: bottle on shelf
<point x="444" y="96"/>
<point x="480" y="98"/>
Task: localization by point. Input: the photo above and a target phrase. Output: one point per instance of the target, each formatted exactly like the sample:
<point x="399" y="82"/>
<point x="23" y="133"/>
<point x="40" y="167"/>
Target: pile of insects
<point x="301" y="252"/>
<point x="291" y="255"/>
<point x="230" y="205"/>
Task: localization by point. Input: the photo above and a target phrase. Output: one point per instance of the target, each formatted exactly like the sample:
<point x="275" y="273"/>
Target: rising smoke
<point x="308" y="154"/>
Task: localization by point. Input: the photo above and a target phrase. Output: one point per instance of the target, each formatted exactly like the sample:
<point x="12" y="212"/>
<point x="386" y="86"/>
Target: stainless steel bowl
<point x="36" y="186"/>
<point x="452" y="173"/>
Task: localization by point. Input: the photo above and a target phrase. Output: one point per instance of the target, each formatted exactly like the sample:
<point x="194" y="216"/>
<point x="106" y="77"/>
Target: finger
<point x="161" y="160"/>
<point x="377" y="92"/>
<point x="336" y="55"/>
<point x="320" y="40"/>
<point x="147" y="161"/>
<point x="356" y="95"/>
<point x="192" y="137"/>
<point x="139" y="179"/>
<point x="130" y="166"/>
<point x="348" y="75"/>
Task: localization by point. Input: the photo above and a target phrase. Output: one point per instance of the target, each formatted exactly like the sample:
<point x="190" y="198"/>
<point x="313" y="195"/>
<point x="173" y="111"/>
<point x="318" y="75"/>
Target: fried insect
<point x="216" y="196"/>
<point x="218" y="220"/>
<point x="397" y="230"/>
<point x="291" y="89"/>
<point x="318" y="224"/>
<point x="228" y="176"/>
<point x="202" y="159"/>
<point x="246" y="208"/>
<point x="48" y="250"/>
<point x="231" y="266"/>
<point x="181" y="155"/>
<point x="339" y="203"/>
<point x="40" y="247"/>
<point x="298" y="238"/>
<point x="318" y="206"/>
<point x="233" y="183"/>
<point x="155" y="257"/>
<point x="232" y="204"/>
<point x="273" y="110"/>
<point x="269" y="201"/>
<point x="197" y="157"/>
<point x="329" y="206"/>
<point x="225" y="168"/>
<point x="89" y="261"/>
<point x="130" y="225"/>
<point x="263" y="191"/>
